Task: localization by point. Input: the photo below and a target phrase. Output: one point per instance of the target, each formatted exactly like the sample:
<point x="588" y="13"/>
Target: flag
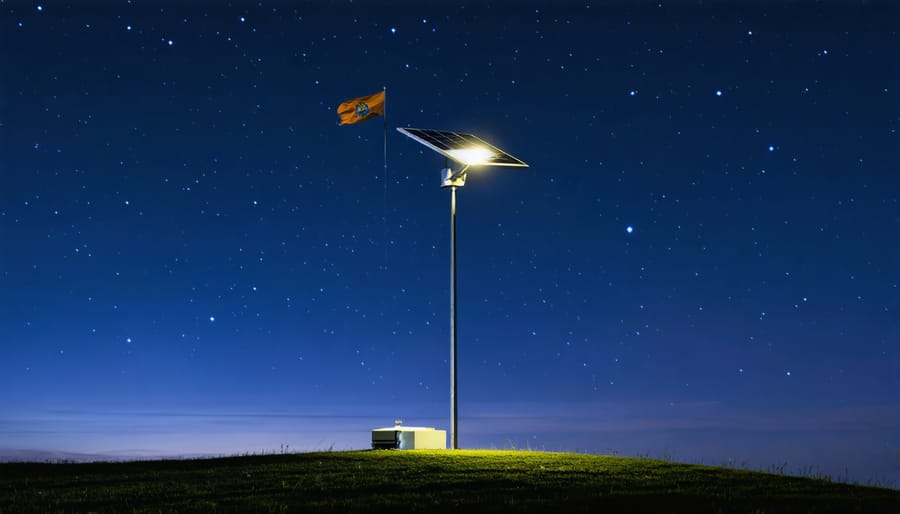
<point x="361" y="109"/>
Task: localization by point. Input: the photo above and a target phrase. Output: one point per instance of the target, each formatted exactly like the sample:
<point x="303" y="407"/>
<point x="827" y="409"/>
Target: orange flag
<point x="361" y="109"/>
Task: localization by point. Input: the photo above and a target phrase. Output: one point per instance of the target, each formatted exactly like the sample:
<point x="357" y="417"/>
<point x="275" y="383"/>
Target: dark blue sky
<point x="196" y="258"/>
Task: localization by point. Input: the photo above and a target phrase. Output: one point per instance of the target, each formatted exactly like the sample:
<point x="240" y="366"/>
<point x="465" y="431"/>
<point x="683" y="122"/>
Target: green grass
<point x="422" y="481"/>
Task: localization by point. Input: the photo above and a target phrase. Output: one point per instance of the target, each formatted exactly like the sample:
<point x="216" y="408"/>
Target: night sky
<point x="702" y="261"/>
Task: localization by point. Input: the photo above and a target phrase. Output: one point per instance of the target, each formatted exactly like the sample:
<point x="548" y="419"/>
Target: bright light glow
<point x="477" y="155"/>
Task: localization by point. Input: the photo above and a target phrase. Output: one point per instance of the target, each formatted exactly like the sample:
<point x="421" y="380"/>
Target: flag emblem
<point x="362" y="110"/>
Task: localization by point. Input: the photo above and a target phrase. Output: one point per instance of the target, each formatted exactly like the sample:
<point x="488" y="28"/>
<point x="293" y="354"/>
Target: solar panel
<point x="466" y="149"/>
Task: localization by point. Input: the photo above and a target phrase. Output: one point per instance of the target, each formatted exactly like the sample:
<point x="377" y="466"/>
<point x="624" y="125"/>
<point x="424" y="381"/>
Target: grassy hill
<point x="422" y="481"/>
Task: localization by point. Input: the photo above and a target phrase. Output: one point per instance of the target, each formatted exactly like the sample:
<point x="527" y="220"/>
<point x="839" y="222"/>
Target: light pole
<point x="454" y="427"/>
<point x="453" y="181"/>
<point x="467" y="150"/>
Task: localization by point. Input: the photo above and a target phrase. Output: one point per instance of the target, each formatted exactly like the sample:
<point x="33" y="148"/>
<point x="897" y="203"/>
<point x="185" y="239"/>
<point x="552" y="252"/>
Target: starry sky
<point x="700" y="263"/>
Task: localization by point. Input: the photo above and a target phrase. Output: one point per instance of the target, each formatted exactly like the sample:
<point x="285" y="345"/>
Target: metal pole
<point x="454" y="434"/>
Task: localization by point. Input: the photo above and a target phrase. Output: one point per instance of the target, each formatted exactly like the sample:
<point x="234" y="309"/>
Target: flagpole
<point x="384" y="211"/>
<point x="385" y="138"/>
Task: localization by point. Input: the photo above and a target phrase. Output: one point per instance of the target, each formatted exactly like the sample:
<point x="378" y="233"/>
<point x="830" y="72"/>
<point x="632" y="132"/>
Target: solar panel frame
<point x="445" y="141"/>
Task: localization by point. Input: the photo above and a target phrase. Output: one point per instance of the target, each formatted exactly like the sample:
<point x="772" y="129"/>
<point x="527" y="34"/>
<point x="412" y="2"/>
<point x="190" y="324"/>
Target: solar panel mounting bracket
<point x="450" y="178"/>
